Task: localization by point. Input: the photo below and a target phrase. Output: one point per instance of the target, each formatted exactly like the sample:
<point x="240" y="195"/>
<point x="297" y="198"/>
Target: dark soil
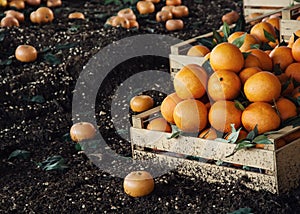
<point x="36" y="113"/>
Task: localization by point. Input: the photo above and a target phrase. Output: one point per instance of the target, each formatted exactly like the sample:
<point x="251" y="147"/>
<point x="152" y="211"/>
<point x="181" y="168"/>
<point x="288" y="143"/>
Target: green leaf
<point x="6" y="62"/>
<point x="222" y="140"/>
<point x="67" y="137"/>
<point x="239" y="41"/>
<point x="265" y="46"/>
<point x="217" y="36"/>
<point x="246" y="54"/>
<point x="175" y="132"/>
<point x="52" y="59"/>
<point x="252" y="134"/>
<point x="206" y="42"/>
<point x="219" y="162"/>
<point x="115" y="2"/>
<point x="78" y="147"/>
<point x="262" y="139"/>
<point x="20" y="154"/>
<point x="65" y="46"/>
<point x="254" y="46"/>
<point x="37" y="99"/>
<point x="207" y="67"/>
<point x="226" y="31"/>
<point x="245" y="210"/>
<point x="293" y="121"/>
<point x="269" y="36"/>
<point x="233" y="136"/>
<point x="243" y="144"/>
<point x="2" y="36"/>
<point x="277" y="70"/>
<point x="240" y="24"/>
<point x="239" y="105"/>
<point x="55" y="162"/>
<point x="73" y="28"/>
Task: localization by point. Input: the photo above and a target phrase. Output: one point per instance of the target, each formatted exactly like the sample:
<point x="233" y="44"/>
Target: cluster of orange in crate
<point x="267" y="81"/>
<point x="170" y="14"/>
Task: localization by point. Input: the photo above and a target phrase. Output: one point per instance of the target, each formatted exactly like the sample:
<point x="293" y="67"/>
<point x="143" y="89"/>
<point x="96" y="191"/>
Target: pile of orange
<point x="249" y="87"/>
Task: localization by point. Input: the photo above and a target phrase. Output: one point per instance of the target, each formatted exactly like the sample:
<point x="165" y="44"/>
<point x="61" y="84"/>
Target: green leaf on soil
<point x="239" y="41"/>
<point x="269" y="36"/>
<point x="65" y="46"/>
<point x="245" y="210"/>
<point x="67" y="137"/>
<point x="20" y="154"/>
<point x="78" y="147"/>
<point x="37" y="99"/>
<point x="115" y="2"/>
<point x="73" y="28"/>
<point x="55" y="162"/>
<point x="52" y="59"/>
<point x="2" y="36"/>
<point x="6" y="62"/>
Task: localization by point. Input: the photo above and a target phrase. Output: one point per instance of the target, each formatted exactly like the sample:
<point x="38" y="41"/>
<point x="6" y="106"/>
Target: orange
<point x="9" y="21"/>
<point x="168" y="105"/>
<point x="198" y="50"/>
<point x="296" y="50"/>
<point x="286" y="108"/>
<point x="226" y="56"/>
<point x="263" y="86"/>
<point x="282" y="55"/>
<point x="141" y="103"/>
<point x="26" y="53"/>
<point x="274" y="22"/>
<point x="261" y="114"/>
<point x="173" y="2"/>
<point x="248" y="72"/>
<point x="224" y="113"/>
<point x="224" y="85"/>
<point x="82" y="131"/>
<point x="174" y="24"/>
<point x="18" y="15"/>
<point x="292" y="38"/>
<point x="248" y="41"/>
<point x="265" y="59"/>
<point x="252" y="61"/>
<point x="258" y="31"/>
<point x="190" y="82"/>
<point x="159" y="124"/>
<point x="190" y="115"/>
<point x="284" y="80"/>
<point x="164" y="15"/>
<point x="76" y="15"/>
<point x="209" y="134"/>
<point x="293" y="70"/>
<point x="180" y="11"/>
<point x="145" y="7"/>
<point x="230" y="17"/>
<point x="54" y="3"/>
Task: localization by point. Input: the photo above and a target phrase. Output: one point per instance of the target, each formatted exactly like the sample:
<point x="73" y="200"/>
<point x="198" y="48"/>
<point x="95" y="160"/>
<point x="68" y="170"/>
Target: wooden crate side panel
<point x="193" y="146"/>
<point x="267" y="3"/>
<point x="288" y="166"/>
<point x="178" y="61"/>
<point x="288" y="27"/>
<point x="248" y="11"/>
<point x="213" y="173"/>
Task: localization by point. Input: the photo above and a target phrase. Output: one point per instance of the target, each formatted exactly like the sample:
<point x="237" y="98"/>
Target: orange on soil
<point x="248" y="72"/>
<point x="265" y="59"/>
<point x="230" y="17"/>
<point x="248" y="41"/>
<point x="180" y="11"/>
<point x="190" y="115"/>
<point x="224" y="85"/>
<point x="159" y="124"/>
<point x="42" y="15"/>
<point x="198" y="50"/>
<point x="258" y="31"/>
<point x="164" y="15"/>
<point x="286" y="108"/>
<point x="226" y="56"/>
<point x="54" y="3"/>
<point x="18" y="15"/>
<point x="173" y="2"/>
<point x="168" y="105"/>
<point x="224" y="113"/>
<point x="120" y="21"/>
<point x="145" y="7"/>
<point x="293" y="71"/>
<point x="82" y="131"/>
<point x="209" y="134"/>
<point x="261" y="114"/>
<point x="18" y="4"/>
<point x="76" y="15"/>
<point x="127" y="13"/>
<point x="190" y="81"/>
<point x="282" y="55"/>
<point x="141" y="103"/>
<point x="9" y="21"/>
<point x="252" y="61"/>
<point x="26" y="53"/>
<point x="174" y="24"/>
<point x="263" y="86"/>
<point x="296" y="50"/>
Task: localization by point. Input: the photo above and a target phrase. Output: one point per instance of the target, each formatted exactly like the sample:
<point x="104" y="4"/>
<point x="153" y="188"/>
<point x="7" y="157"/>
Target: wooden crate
<point x="274" y="170"/>
<point x="287" y="24"/>
<point x="266" y="6"/>
<point x="178" y="57"/>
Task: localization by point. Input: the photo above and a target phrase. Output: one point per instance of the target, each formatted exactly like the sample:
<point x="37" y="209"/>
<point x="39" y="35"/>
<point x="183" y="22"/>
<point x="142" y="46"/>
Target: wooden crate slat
<point x="213" y="173"/>
<point x="288" y="166"/>
<point x="193" y="146"/>
<point x="178" y="61"/>
<point x="267" y="3"/>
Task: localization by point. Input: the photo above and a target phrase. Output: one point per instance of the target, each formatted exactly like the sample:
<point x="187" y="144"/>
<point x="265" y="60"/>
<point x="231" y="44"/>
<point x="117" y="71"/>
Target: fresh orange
<point x="248" y="72"/>
<point x="82" y="131"/>
<point x="198" y="50"/>
<point x="168" y="105"/>
<point x="287" y="85"/>
<point x="265" y="59"/>
<point x="159" y="124"/>
<point x="292" y="38"/>
<point x="18" y="15"/>
<point x="145" y="7"/>
<point x="138" y="183"/>
<point x="263" y="86"/>
<point x="18" y="4"/>
<point x="164" y="15"/>
<point x="226" y="56"/>
<point x="42" y="15"/>
<point x="190" y="115"/>
<point x="224" y="113"/>
<point x="54" y="3"/>
<point x="282" y="55"/>
<point x="209" y="134"/>
<point x="174" y="24"/>
<point x="293" y="70"/>
<point x="296" y="50"/>
<point x="127" y="13"/>
<point x="180" y="11"/>
<point x="9" y="21"/>
<point x="141" y="103"/>
<point x="249" y="40"/>
<point x="173" y="2"/>
<point x="258" y="31"/>
<point x="286" y="108"/>
<point x="190" y="81"/>
<point x="261" y="114"/>
<point x="252" y="61"/>
<point x="224" y="85"/>
<point x="274" y="22"/>
<point x="76" y="15"/>
<point x="26" y="53"/>
<point x="230" y="17"/>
